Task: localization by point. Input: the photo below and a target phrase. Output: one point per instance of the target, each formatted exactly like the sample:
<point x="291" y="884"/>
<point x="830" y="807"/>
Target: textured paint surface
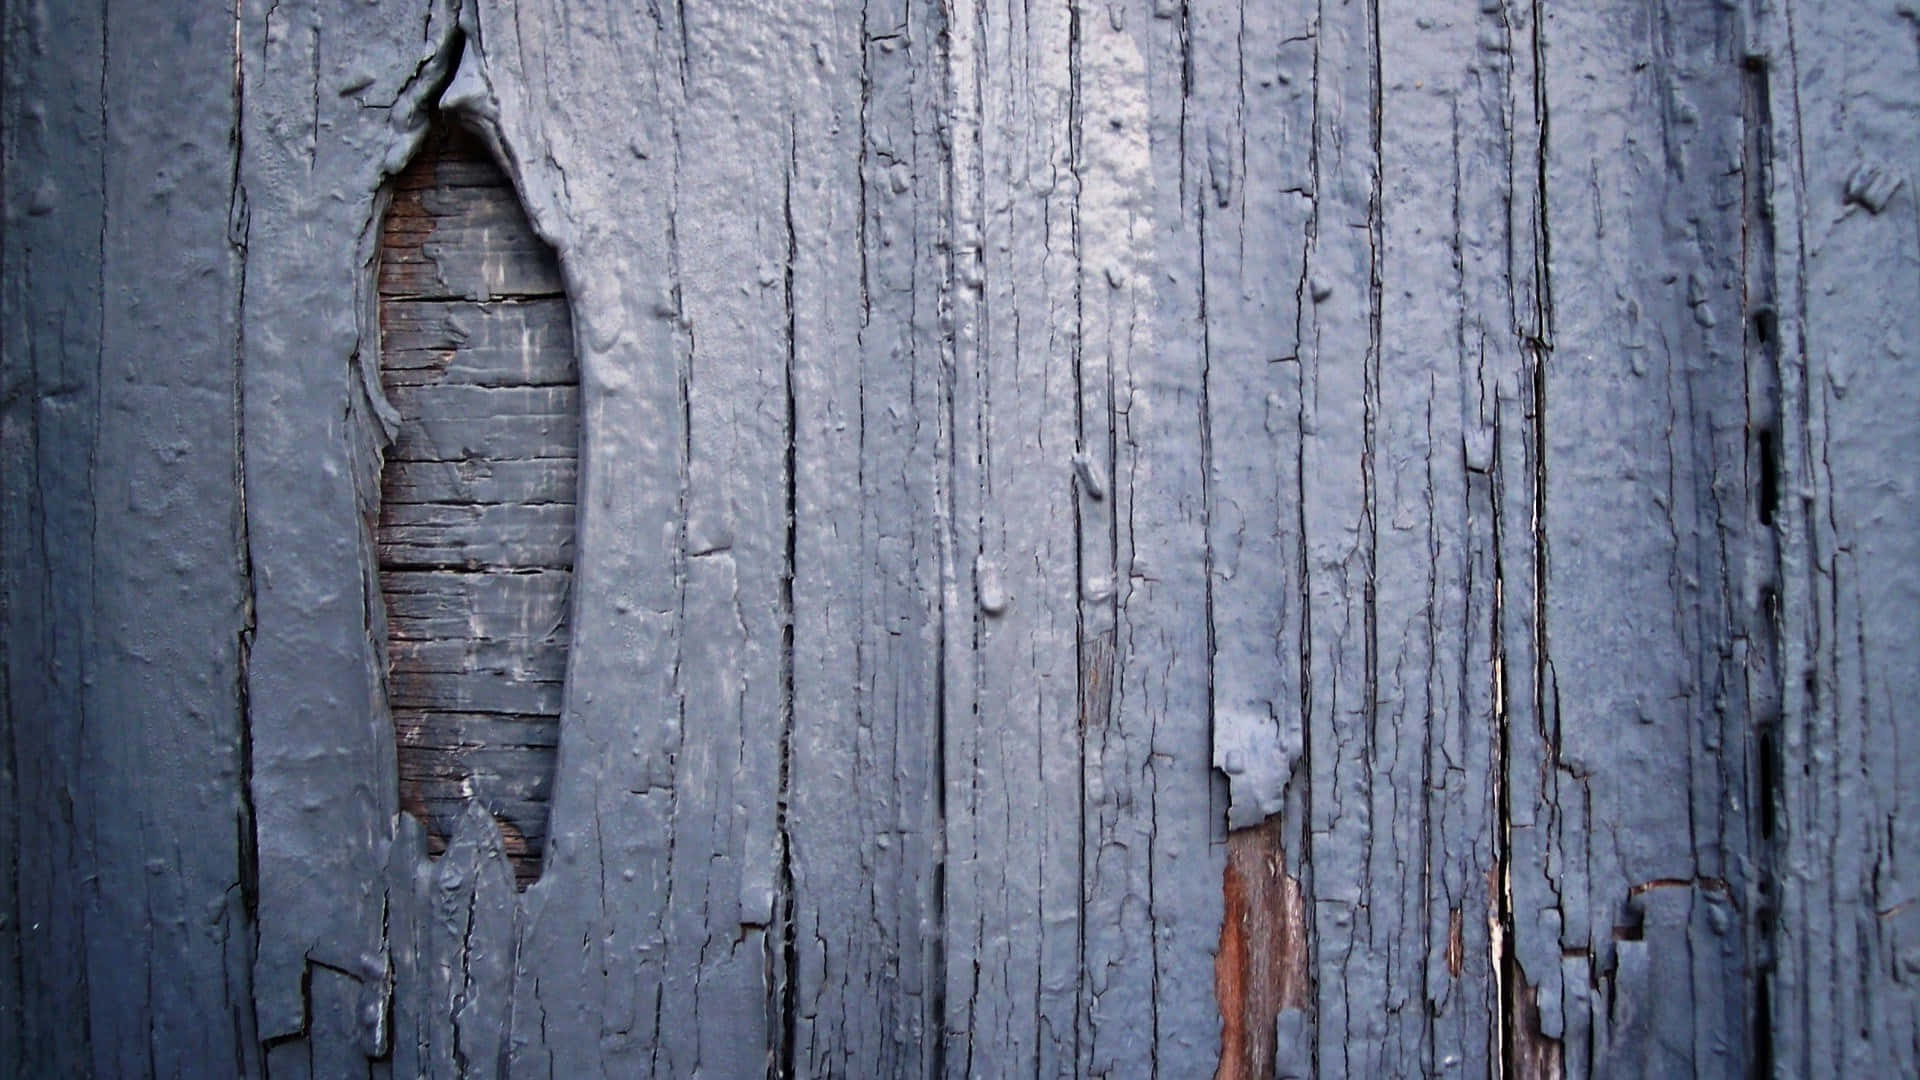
<point x="125" y="899"/>
<point x="1367" y="539"/>
<point x="1840" y="93"/>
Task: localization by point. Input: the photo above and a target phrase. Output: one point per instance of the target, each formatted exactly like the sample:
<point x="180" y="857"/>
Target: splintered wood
<point x="477" y="497"/>
<point x="1260" y="972"/>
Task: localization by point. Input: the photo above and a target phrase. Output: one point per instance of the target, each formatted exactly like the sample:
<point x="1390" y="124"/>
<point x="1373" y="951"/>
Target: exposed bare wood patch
<point x="476" y="523"/>
<point x="1535" y="1056"/>
<point x="1096" y="679"/>
<point x="1456" y="942"/>
<point x="1261" y="968"/>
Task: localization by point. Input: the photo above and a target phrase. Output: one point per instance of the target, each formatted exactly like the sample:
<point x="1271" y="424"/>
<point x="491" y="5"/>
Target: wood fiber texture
<point x="475" y="537"/>
<point x="1154" y="538"/>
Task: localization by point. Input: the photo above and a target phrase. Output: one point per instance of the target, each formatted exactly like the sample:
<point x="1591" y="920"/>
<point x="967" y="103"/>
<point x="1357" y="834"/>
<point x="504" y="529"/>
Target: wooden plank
<point x="713" y="966"/>
<point x="487" y="403"/>
<point x="1639" y="405"/>
<point x="1447" y="189"/>
<point x="1340" y="402"/>
<point x="471" y="536"/>
<point x="1253" y="157"/>
<point x="472" y="264"/>
<point x="508" y="343"/>
<point x="126" y="913"/>
<point x="479" y="691"/>
<point x="481" y="481"/>
<point x="479" y="606"/>
<point x="1833" y="232"/>
<point x="54" y="330"/>
<point x="657" y="926"/>
<point x="866" y="684"/>
<point x="1151" y="897"/>
<point x="1013" y="739"/>
<point x="480" y="477"/>
<point x="504" y="436"/>
<point x="544" y="661"/>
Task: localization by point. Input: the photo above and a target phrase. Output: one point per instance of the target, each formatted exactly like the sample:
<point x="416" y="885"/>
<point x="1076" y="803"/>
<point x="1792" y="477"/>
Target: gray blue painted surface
<point x="1428" y="487"/>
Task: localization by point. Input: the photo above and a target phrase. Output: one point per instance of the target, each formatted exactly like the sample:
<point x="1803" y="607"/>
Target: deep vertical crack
<point x="1075" y="107"/>
<point x="944" y="497"/>
<point x="1764" y="408"/>
<point x="785" y="1006"/>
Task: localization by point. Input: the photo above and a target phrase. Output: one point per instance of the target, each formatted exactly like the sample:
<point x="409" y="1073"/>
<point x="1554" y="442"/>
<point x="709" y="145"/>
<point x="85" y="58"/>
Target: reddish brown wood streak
<point x="1456" y="943"/>
<point x="1230" y="973"/>
<point x="1261" y="967"/>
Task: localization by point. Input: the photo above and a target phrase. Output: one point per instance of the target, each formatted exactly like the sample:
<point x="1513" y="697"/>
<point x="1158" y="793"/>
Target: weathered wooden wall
<point x="1293" y="537"/>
